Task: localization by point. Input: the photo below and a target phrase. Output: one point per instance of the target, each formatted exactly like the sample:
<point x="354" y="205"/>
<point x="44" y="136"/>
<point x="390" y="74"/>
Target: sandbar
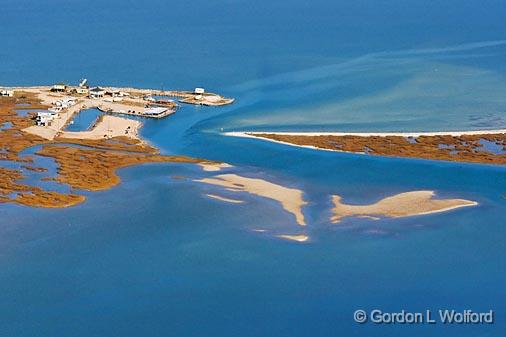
<point x="218" y="197"/>
<point x="214" y="167"/>
<point x="399" y="205"/>
<point x="252" y="134"/>
<point x="298" y="238"/>
<point x="291" y="199"/>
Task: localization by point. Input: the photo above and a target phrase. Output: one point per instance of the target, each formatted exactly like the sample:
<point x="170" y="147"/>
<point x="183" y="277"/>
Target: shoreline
<point x="405" y="204"/>
<point x="108" y="126"/>
<point x="290" y="199"/>
<point x="85" y="160"/>
<point x="472" y="146"/>
<point x="253" y="134"/>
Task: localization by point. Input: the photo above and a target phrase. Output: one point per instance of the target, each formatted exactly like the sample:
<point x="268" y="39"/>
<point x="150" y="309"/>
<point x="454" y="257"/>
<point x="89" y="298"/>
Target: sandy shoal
<point x="297" y="238"/>
<point x="218" y="197"/>
<point x="291" y="199"/>
<point x="399" y="205"/>
<point x="214" y="167"/>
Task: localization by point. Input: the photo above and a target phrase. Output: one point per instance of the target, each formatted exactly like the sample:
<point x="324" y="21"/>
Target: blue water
<point x="5" y="126"/>
<point x="84" y="120"/>
<point x="491" y="147"/>
<point x="155" y="257"/>
<point x="25" y="112"/>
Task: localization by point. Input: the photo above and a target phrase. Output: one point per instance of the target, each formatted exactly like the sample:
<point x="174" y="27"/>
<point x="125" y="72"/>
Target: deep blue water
<point x="155" y="257"/>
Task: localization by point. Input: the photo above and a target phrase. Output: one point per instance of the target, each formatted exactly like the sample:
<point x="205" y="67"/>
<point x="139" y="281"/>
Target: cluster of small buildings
<point x="85" y="90"/>
<point x="81" y="89"/>
<point x="8" y="92"/>
<point x="46" y="118"/>
<point x="154" y="108"/>
<point x="198" y="93"/>
<point x="64" y="103"/>
<point x="114" y="94"/>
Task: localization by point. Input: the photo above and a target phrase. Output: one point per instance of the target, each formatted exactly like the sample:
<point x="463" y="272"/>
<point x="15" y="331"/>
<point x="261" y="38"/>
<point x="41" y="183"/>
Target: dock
<point x="147" y="112"/>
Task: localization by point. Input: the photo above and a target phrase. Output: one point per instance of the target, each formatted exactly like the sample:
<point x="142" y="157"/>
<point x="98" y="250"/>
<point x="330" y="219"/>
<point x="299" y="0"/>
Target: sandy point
<point x="399" y="205"/>
<point x="220" y="198"/>
<point x="255" y="134"/>
<point x="298" y="238"/>
<point x="291" y="199"/>
<point x="214" y="167"/>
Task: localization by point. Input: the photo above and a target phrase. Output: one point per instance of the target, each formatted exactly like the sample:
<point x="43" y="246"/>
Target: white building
<point x="155" y="111"/>
<point x="81" y="90"/>
<point x="43" y="121"/>
<point x="97" y="92"/>
<point x="45" y="118"/>
<point x="66" y="102"/>
<point x="7" y="92"/>
<point x="199" y="91"/>
<point x="59" y="87"/>
<point x="55" y="109"/>
<point x="114" y="93"/>
<point x="48" y="113"/>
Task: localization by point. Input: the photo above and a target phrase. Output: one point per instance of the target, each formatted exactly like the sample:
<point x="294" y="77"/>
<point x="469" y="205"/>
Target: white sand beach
<point x="290" y="198"/>
<point x="369" y="134"/>
<point x="218" y="197"/>
<point x="399" y="205"/>
<point x="297" y="238"/>
<point x="214" y="167"/>
<point x="253" y="136"/>
<point x="256" y="135"/>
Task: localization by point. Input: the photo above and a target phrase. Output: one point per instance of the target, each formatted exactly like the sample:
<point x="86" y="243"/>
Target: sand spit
<point x="371" y="134"/>
<point x="298" y="238"/>
<point x="399" y="205"/>
<point x="218" y="197"/>
<point x="484" y="146"/>
<point x="214" y="167"/>
<point x="291" y="199"/>
<point x="108" y="127"/>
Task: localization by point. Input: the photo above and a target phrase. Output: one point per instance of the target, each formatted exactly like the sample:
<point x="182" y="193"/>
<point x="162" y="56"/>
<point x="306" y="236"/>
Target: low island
<point x="482" y="146"/>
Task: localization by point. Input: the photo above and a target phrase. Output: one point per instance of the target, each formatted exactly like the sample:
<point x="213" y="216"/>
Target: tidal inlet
<point x="257" y="169"/>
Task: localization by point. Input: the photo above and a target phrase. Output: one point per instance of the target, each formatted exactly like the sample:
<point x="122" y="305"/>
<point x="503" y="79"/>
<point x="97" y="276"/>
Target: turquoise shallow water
<point x="155" y="257"/>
